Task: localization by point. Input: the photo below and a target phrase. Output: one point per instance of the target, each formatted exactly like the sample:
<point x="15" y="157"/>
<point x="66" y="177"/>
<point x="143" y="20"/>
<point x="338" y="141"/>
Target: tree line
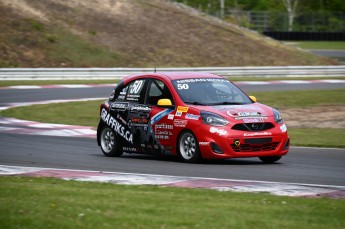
<point x="301" y="15"/>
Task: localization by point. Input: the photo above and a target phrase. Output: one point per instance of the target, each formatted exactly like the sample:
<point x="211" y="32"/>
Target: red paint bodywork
<point x="223" y="136"/>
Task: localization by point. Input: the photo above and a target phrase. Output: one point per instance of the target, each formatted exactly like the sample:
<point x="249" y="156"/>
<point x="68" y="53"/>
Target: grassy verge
<point x="5" y="83"/>
<point x="87" y="114"/>
<point x="337" y="45"/>
<point x="28" y="202"/>
<point x="73" y="113"/>
<point x="317" y="137"/>
<point x="298" y="99"/>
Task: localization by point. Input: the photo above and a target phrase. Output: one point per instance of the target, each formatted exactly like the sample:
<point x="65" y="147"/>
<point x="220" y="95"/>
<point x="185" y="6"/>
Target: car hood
<point x="239" y="111"/>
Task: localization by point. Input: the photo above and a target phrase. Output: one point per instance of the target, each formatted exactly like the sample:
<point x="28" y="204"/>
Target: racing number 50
<point x="136" y="87"/>
<point x="182" y="86"/>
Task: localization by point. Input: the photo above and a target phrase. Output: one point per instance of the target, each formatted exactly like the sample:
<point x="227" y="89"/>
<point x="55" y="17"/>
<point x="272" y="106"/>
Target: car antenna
<point x="155" y="70"/>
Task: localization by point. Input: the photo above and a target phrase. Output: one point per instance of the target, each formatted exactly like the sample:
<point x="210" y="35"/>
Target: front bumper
<point x="239" y="144"/>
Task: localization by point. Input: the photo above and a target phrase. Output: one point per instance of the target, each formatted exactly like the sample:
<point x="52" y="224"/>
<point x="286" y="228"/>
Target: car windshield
<point x="210" y="91"/>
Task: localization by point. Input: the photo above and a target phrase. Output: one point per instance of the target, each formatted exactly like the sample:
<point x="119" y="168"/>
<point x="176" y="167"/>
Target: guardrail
<point x="117" y="73"/>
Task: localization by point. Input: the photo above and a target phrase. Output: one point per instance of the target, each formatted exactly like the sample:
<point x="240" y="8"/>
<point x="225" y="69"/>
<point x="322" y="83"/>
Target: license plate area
<point x="257" y="140"/>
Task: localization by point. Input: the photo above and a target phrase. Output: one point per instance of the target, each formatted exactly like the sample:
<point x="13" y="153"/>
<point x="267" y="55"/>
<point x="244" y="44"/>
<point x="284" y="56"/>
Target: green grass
<point x="337" y="45"/>
<point x="317" y="137"/>
<point x="28" y="202"/>
<point x="70" y="49"/>
<point x="300" y="99"/>
<point x="87" y="114"/>
<point x="5" y="83"/>
<point x="73" y="113"/>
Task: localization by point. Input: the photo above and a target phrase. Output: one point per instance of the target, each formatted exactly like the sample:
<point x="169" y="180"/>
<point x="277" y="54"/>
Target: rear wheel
<point x="270" y="160"/>
<point x="188" y="147"/>
<point x="109" y="143"/>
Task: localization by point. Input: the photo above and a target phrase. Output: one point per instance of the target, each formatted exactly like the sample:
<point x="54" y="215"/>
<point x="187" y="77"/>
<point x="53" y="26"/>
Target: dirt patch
<point x="315" y="117"/>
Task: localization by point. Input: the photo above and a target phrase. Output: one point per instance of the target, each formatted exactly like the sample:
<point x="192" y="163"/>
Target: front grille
<point x="254" y="127"/>
<point x="255" y="147"/>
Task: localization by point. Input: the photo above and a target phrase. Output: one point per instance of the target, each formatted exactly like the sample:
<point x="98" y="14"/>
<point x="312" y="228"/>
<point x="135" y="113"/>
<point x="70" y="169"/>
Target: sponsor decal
<point x="163" y="132"/>
<point x="116" y="126"/>
<point x="200" y="80"/>
<point x="163" y="137"/>
<point x="171" y="117"/>
<point x="140" y="120"/>
<point x="253" y="120"/>
<point x="135" y="98"/>
<point x="256" y="134"/>
<point x="119" y="106"/>
<point x="248" y="114"/>
<point x="192" y="116"/>
<point x="283" y="128"/>
<point x="164" y="126"/>
<point x="182" y="109"/>
<point x="160" y="115"/>
<point x="178" y="113"/>
<point x="234" y="108"/>
<point x="129" y="149"/>
<point x="218" y="131"/>
<point x="204" y="143"/>
<point x="180" y="123"/>
<point x="135" y="109"/>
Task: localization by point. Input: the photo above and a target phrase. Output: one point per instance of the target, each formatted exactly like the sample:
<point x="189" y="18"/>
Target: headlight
<point x="213" y="119"/>
<point x="277" y="116"/>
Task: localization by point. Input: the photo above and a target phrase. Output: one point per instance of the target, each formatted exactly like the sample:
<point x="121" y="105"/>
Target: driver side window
<point x="157" y="90"/>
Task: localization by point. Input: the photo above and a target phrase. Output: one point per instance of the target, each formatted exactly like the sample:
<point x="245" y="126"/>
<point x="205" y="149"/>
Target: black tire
<point x="109" y="143"/>
<point x="270" y="160"/>
<point x="188" y="147"/>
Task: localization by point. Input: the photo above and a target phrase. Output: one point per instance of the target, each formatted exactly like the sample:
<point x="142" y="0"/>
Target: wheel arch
<point x="100" y="126"/>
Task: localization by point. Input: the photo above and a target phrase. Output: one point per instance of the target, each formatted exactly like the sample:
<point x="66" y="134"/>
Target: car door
<point x="132" y="114"/>
<point x="161" y="118"/>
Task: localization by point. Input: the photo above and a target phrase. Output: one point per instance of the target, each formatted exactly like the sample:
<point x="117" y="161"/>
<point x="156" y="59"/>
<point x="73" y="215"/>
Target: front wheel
<point x="109" y="143"/>
<point x="270" y="160"/>
<point x="188" y="147"/>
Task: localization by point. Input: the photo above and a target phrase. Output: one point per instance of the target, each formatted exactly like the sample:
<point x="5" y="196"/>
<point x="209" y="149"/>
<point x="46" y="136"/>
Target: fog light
<point x="215" y="148"/>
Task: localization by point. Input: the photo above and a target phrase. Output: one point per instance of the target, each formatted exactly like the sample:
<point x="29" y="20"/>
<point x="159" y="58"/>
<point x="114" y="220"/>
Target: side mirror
<point x="253" y="98"/>
<point x="164" y="103"/>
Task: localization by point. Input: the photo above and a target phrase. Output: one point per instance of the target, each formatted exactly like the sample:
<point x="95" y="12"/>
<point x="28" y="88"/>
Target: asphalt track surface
<point x="301" y="165"/>
<point x="31" y="95"/>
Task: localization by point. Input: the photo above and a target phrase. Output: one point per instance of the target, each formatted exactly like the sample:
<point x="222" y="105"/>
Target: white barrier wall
<point x="116" y="73"/>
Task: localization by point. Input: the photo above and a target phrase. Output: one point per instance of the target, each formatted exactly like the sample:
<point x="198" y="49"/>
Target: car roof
<point x="173" y="75"/>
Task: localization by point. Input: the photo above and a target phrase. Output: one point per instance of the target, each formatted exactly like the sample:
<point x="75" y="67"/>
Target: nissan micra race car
<point x="192" y="115"/>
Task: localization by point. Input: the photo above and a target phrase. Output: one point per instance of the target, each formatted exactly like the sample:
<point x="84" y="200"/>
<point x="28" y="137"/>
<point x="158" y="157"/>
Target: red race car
<point x="192" y="115"/>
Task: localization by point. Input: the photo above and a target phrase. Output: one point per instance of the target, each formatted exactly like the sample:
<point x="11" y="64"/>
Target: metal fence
<point x="117" y="73"/>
